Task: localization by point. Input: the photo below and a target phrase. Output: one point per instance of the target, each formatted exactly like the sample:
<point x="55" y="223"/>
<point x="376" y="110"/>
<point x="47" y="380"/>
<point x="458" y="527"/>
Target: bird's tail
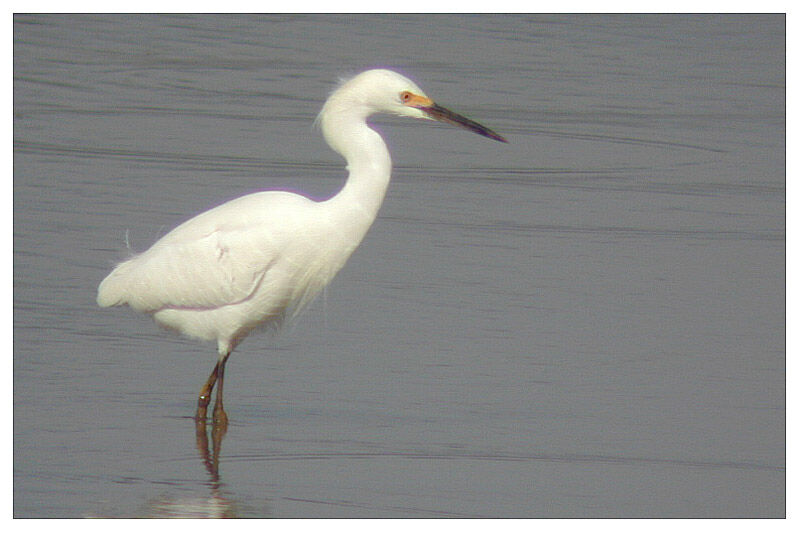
<point x="113" y="289"/>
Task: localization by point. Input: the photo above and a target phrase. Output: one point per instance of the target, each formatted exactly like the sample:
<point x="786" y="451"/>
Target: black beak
<point x="442" y="114"/>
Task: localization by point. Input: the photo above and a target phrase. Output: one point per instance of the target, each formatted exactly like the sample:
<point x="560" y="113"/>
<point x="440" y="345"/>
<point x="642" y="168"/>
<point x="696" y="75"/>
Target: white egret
<point x="258" y="260"/>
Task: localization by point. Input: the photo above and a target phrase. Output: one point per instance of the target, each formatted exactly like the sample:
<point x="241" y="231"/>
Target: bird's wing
<point x="203" y="273"/>
<point x="217" y="259"/>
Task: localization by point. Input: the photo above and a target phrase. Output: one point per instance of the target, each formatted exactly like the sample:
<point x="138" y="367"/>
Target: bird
<point x="257" y="261"/>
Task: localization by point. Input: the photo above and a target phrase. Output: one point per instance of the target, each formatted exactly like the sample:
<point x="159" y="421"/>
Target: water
<point x="587" y="322"/>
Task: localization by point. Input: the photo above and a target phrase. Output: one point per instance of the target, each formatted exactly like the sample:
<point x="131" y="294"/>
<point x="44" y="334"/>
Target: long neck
<point x="369" y="164"/>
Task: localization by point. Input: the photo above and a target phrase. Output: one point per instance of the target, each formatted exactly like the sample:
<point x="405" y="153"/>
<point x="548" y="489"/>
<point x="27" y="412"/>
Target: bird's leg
<point x="205" y="393"/>
<point x="220" y="417"/>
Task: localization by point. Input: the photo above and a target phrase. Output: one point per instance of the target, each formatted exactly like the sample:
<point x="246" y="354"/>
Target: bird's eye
<point x="405" y="96"/>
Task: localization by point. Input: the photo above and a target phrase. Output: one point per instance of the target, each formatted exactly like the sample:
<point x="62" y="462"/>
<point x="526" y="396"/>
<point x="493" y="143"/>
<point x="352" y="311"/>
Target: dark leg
<point x="220" y="417"/>
<point x="205" y="393"/>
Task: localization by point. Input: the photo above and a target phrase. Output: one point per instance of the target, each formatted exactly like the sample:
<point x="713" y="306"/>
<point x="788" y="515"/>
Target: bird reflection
<point x="216" y="505"/>
<point x="210" y="456"/>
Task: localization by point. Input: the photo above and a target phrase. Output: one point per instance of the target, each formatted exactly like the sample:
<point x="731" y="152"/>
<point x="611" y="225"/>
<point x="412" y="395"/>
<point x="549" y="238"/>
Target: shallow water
<point x="588" y="321"/>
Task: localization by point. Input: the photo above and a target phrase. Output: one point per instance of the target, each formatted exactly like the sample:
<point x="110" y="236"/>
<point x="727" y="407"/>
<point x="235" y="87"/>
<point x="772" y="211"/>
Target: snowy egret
<point x="260" y="259"/>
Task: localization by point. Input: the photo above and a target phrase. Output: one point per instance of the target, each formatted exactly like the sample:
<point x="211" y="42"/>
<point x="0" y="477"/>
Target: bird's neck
<point x="369" y="164"/>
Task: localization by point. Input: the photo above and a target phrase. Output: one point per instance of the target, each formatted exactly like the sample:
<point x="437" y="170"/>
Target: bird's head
<point x="386" y="91"/>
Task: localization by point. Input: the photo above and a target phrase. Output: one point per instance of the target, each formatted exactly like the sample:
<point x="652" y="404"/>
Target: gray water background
<point x="586" y="322"/>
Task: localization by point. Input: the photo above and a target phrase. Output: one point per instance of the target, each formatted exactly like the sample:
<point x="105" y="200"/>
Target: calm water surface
<point x="588" y="321"/>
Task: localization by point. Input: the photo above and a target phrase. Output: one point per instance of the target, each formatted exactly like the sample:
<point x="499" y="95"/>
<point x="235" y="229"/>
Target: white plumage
<point x="260" y="259"/>
<point x="230" y="269"/>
